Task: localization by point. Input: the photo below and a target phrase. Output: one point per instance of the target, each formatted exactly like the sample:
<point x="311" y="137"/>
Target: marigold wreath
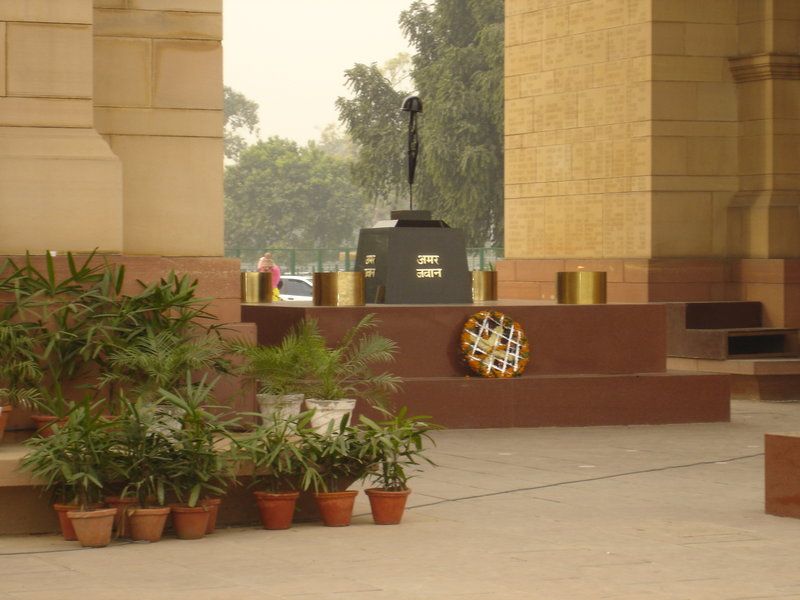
<point x="494" y="345"/>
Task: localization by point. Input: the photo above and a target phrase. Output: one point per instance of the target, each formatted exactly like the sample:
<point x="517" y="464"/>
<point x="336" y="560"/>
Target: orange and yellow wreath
<point x="494" y="345"/>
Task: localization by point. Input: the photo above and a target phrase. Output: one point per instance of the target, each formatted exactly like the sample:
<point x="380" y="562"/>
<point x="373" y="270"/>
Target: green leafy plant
<point x="160" y="361"/>
<point x="76" y="320"/>
<point x="201" y="464"/>
<point x="63" y="315"/>
<point x="143" y="450"/>
<point x="346" y="369"/>
<point x="338" y="454"/>
<point x="76" y="461"/>
<point x="283" y="369"/>
<point x="20" y="372"/>
<point x="392" y="447"/>
<point x="280" y="456"/>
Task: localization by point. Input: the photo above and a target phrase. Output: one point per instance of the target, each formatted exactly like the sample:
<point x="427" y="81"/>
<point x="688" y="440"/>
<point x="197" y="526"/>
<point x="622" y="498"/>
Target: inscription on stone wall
<point x="575" y="161"/>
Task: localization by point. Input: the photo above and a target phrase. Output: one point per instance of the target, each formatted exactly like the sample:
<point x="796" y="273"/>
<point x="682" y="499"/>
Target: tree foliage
<point x="458" y="72"/>
<point x="283" y="194"/>
<point x="241" y="115"/>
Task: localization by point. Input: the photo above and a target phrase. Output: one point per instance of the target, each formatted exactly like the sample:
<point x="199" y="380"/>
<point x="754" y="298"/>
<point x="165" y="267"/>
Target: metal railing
<point x="295" y="261"/>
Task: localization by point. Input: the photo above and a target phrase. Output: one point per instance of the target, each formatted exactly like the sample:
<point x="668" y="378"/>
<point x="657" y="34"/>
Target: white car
<point x="297" y="288"/>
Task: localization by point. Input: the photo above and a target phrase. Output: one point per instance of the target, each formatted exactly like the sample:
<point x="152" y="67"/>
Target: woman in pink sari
<point x="267" y="264"/>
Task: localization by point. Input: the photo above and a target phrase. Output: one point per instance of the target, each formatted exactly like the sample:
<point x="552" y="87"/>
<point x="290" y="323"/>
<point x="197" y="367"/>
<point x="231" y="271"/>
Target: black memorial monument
<point x="413" y="259"/>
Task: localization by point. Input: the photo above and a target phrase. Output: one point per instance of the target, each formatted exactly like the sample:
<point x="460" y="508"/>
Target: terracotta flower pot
<point x="387" y="506"/>
<point x="44" y="422"/>
<point x="190" y="522"/>
<point x="5" y="412"/>
<point x="336" y="508"/>
<point x="147" y="524"/>
<point x="93" y="527"/>
<point x="213" y="511"/>
<point x="121" y="518"/>
<point x="64" y="522"/>
<point x="276" y="508"/>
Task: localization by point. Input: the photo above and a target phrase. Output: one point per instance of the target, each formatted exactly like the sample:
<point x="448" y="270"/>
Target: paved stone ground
<point x="646" y="512"/>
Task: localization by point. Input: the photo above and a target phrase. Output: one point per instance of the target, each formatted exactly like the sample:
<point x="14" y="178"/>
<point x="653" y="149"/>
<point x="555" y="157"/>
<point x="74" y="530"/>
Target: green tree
<point x="282" y="194"/>
<point x="241" y="115"/>
<point x="458" y="71"/>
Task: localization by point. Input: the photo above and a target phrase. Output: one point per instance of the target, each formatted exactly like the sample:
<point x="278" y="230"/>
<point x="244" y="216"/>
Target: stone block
<point x="123" y="71"/>
<point x="541" y="270"/>
<point x="711" y="39"/>
<point x="49" y="60"/>
<point x="612" y="267"/>
<point x="532" y="27"/>
<point x="772" y="300"/>
<point x="682" y="224"/>
<point x="755" y="102"/>
<point x="158" y="24"/>
<point x="717" y="101"/>
<point x="520" y="165"/>
<point x="626" y="225"/>
<point x="45" y="112"/>
<point x="51" y="201"/>
<point x="553" y="163"/>
<point x="674" y="100"/>
<point x="537" y="84"/>
<point x="518" y="116"/>
<point x="689" y="68"/>
<point x="518" y="290"/>
<point x="602" y="106"/>
<point x="791" y="314"/>
<point x="636" y="271"/>
<point x="679" y="292"/>
<point x="513" y="31"/>
<point x="2" y="59"/>
<point x="512" y="88"/>
<point x="782" y="474"/>
<point x="640" y="11"/>
<point x="759" y="270"/>
<point x="669" y="156"/>
<point x="212" y="6"/>
<point x="786" y="99"/>
<point x="51" y="143"/>
<point x="523" y="59"/>
<point x="47" y="11"/>
<point x="669" y="37"/>
<point x="712" y="156"/>
<point x="154" y="121"/>
<point x="627" y="293"/>
<point x="752" y="38"/>
<point x="172" y="190"/>
<point x="712" y="11"/>
<point x="176" y="84"/>
<point x="506" y="270"/>
<point x="516" y="7"/>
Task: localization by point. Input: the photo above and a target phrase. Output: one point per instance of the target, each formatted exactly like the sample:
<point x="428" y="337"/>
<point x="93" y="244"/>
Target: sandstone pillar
<point x="158" y="100"/>
<point x="60" y="184"/>
<point x="656" y="140"/>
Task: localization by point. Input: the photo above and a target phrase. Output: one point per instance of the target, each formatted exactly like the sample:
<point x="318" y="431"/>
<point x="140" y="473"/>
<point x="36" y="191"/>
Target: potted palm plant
<point x="143" y="450"/>
<point x="281" y="371"/>
<point x="344" y="373"/>
<point x="282" y="466"/>
<point x="66" y="318"/>
<point x="73" y="463"/>
<point x="392" y="447"/>
<point x="201" y="462"/>
<point x="339" y="459"/>
<point x="20" y="371"/>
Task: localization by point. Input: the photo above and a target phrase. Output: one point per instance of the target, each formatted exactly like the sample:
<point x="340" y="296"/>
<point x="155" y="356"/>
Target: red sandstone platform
<point x="590" y="364"/>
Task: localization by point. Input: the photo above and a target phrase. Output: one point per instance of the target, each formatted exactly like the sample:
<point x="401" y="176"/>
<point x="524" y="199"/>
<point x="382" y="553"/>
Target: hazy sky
<point x="290" y="55"/>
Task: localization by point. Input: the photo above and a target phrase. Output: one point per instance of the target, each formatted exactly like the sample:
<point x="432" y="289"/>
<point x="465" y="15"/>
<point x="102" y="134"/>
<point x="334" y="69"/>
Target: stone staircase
<point x="729" y="337"/>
